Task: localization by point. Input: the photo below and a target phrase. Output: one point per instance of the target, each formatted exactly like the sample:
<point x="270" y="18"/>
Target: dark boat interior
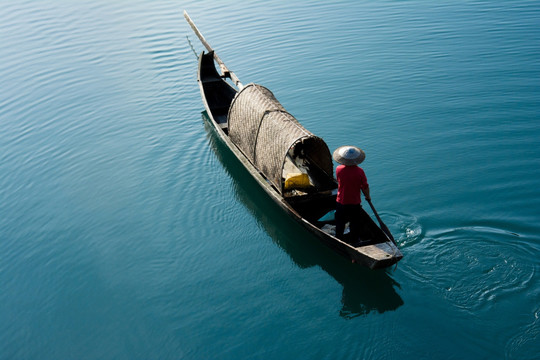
<point x="218" y="93"/>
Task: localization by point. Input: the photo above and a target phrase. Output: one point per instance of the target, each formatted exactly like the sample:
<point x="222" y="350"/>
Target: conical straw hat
<point x="349" y="155"/>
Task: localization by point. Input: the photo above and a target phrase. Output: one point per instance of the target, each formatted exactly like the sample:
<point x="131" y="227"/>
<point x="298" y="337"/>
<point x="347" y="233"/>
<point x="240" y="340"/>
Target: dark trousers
<point x="351" y="214"/>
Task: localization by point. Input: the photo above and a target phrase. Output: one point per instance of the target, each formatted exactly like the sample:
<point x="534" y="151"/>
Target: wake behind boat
<point x="291" y="164"/>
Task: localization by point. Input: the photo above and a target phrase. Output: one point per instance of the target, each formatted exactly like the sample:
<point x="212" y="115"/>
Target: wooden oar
<point x="383" y="225"/>
<point x="224" y="70"/>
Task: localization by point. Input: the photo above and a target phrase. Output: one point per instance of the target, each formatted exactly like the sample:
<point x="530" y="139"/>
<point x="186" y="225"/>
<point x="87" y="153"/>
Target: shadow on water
<point x="364" y="290"/>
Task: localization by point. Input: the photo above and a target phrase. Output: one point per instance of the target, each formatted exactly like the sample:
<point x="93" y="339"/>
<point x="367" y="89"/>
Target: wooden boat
<point x="291" y="164"/>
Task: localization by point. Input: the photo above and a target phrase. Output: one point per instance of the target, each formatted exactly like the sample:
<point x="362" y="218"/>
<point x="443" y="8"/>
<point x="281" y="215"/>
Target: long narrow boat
<point x="291" y="164"/>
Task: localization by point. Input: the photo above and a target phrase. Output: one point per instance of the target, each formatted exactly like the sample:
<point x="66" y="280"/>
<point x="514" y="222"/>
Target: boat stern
<point x="377" y="256"/>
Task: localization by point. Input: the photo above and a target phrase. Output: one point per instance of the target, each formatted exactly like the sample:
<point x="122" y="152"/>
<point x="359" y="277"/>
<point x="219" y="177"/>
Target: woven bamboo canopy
<point x="265" y="132"/>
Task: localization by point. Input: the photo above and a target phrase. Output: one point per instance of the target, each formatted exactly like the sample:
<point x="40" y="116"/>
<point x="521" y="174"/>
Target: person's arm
<point x="366" y="193"/>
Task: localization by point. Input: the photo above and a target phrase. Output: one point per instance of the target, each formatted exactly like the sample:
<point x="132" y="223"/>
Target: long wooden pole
<point x="383" y="225"/>
<point x="224" y="70"/>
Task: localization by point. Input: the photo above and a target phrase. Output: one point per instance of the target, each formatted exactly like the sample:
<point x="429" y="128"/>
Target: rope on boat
<point x="192" y="48"/>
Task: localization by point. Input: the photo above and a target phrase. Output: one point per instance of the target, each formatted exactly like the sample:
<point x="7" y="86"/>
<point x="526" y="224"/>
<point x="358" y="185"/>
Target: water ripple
<point x="525" y="338"/>
<point x="409" y="231"/>
<point x="482" y="266"/>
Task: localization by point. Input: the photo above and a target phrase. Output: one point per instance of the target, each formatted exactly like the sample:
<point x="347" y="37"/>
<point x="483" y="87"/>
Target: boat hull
<point x="216" y="93"/>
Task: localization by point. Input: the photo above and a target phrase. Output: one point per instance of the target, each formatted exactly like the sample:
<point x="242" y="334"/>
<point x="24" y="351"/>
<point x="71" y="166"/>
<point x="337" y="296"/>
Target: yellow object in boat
<point x="297" y="181"/>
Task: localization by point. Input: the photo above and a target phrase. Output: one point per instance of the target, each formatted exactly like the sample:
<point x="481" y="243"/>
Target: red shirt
<point x="351" y="180"/>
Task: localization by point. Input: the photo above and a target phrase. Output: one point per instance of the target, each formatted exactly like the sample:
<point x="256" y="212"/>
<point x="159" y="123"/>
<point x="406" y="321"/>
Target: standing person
<point x="351" y="182"/>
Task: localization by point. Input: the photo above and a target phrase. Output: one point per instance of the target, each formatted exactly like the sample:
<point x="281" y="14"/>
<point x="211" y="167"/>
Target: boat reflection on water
<point x="364" y="290"/>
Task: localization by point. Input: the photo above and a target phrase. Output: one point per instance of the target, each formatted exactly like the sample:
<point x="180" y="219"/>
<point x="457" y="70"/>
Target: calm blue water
<point x="126" y="232"/>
